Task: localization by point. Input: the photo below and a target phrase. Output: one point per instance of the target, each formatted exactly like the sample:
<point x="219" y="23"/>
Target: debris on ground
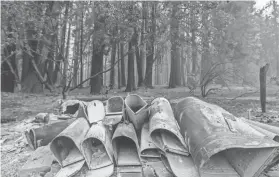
<point x="39" y="162"/>
<point x="16" y="152"/>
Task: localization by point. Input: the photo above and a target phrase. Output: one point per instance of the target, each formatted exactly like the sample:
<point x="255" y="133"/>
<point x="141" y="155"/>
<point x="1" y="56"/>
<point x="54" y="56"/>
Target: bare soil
<point x="18" y="109"/>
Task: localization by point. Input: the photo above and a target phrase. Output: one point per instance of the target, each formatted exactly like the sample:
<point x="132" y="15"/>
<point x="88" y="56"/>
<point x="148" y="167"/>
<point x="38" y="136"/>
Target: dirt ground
<point x="18" y="109"/>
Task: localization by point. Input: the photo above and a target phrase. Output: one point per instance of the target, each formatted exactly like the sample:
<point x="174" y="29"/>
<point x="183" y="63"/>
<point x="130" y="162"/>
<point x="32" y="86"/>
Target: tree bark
<point x="138" y="58"/>
<point x="174" y="47"/>
<point x="150" y="53"/>
<point x="276" y="33"/>
<point x="123" y="78"/>
<point x="263" y="71"/>
<point x="81" y="49"/>
<point x="205" y="61"/>
<point x="61" y="54"/>
<point x="118" y="64"/>
<point x="66" y="59"/>
<point x="193" y="39"/>
<point x="96" y="67"/>
<point x="182" y="69"/>
<point x="7" y="75"/>
<point x="113" y="54"/>
<point x="131" y="73"/>
<point x="142" y="40"/>
<point x="30" y="81"/>
<point x="76" y="58"/>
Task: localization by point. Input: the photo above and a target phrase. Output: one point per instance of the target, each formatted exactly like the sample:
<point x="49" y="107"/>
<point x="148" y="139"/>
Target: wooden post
<point x="263" y="71"/>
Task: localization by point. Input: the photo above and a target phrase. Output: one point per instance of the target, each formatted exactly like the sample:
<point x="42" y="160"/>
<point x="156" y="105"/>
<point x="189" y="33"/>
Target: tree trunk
<point x="263" y="71"/>
<point x="178" y="66"/>
<point x="193" y="40"/>
<point x="113" y="54"/>
<point x="119" y="69"/>
<point x="174" y="47"/>
<point x="182" y="69"/>
<point x="7" y="75"/>
<point x="142" y="40"/>
<point x="139" y="66"/>
<point x="81" y="49"/>
<point x="76" y="58"/>
<point x="66" y="59"/>
<point x="150" y="53"/>
<point x="30" y="81"/>
<point x="61" y="54"/>
<point x="131" y="73"/>
<point x="276" y="33"/>
<point x="138" y="58"/>
<point x="205" y="61"/>
<point x="123" y="78"/>
<point x="96" y="67"/>
<point x="52" y="36"/>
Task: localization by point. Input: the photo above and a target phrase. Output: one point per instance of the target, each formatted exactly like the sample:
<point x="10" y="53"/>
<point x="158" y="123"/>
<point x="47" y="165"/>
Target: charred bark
<point x="119" y="68"/>
<point x="174" y="48"/>
<point x="81" y="48"/>
<point x="131" y="73"/>
<point x="60" y="55"/>
<point x="113" y="54"/>
<point x="193" y="40"/>
<point x="151" y="50"/>
<point x="138" y="58"/>
<point x="263" y="71"/>
<point x="123" y="78"/>
<point x="30" y="81"/>
<point x="96" y="67"/>
<point x="7" y="67"/>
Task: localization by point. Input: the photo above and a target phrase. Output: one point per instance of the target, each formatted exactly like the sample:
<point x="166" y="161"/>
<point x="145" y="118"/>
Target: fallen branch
<point x="8" y="57"/>
<point x="13" y="71"/>
<point x="246" y="93"/>
<point x="91" y="77"/>
<point x="40" y="75"/>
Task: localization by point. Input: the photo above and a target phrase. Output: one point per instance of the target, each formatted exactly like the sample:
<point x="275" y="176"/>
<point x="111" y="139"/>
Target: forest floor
<point x="17" y="109"/>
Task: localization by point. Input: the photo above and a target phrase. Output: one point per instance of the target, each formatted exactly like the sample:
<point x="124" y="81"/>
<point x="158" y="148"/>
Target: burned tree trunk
<point x="142" y="40"/>
<point x="30" y="80"/>
<point x="193" y="40"/>
<point x="119" y="68"/>
<point x="263" y="71"/>
<point x="138" y="59"/>
<point x="113" y="54"/>
<point x="81" y="49"/>
<point x="61" y="55"/>
<point x="96" y="67"/>
<point x="174" y="48"/>
<point x="9" y="64"/>
<point x="151" y="50"/>
<point x="66" y="59"/>
<point x="131" y="73"/>
<point x="123" y="78"/>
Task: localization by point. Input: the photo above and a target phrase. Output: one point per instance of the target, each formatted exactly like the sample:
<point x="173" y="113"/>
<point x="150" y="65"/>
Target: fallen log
<point x="212" y="132"/>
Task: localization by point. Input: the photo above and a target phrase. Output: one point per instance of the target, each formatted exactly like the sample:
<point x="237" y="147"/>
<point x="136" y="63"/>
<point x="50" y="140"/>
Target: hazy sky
<point x="261" y="3"/>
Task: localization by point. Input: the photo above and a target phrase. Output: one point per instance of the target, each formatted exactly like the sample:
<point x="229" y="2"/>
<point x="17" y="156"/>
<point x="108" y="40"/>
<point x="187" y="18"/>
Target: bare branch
<point x="7" y="58"/>
<point x="40" y="75"/>
<point x="246" y="93"/>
